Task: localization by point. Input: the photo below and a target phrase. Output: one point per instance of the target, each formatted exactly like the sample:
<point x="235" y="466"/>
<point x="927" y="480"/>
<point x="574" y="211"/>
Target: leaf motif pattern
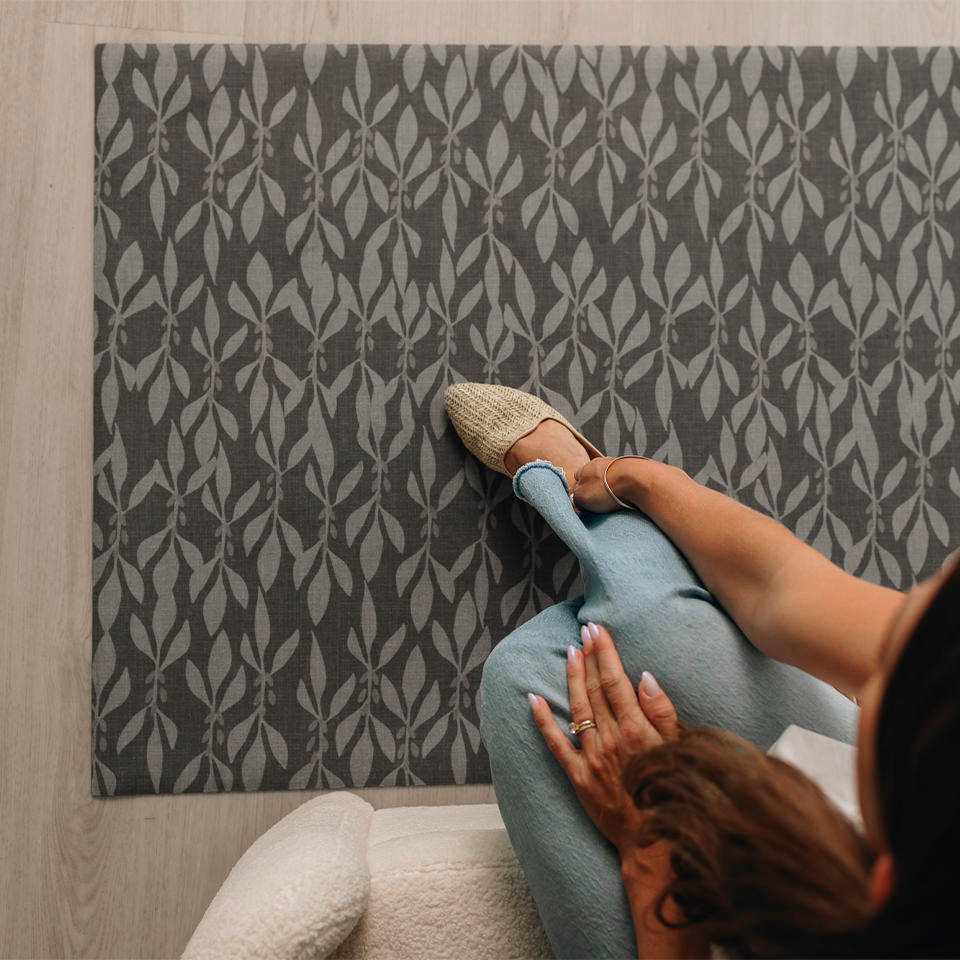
<point x="739" y="261"/>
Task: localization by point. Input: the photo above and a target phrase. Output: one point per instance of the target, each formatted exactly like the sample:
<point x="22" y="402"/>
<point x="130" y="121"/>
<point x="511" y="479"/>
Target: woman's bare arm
<point x="787" y="598"/>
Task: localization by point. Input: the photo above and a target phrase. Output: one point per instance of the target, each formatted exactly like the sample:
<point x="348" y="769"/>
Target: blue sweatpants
<point x="662" y="618"/>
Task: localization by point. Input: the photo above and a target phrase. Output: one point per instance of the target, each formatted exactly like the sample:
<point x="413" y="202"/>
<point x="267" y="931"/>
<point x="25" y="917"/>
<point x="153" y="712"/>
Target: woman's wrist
<point x="633" y="478"/>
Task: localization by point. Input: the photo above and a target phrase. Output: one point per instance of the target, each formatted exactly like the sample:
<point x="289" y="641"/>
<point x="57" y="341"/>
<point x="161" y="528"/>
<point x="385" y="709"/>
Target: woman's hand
<point x="628" y="723"/>
<point x="588" y="490"/>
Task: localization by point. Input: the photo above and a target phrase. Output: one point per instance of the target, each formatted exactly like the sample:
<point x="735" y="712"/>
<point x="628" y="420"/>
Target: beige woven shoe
<point x="490" y="418"/>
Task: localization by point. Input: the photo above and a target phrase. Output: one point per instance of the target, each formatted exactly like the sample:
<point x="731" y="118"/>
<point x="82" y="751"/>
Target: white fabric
<point x="336" y="878"/>
<point x="830" y="763"/>
<point x="297" y="891"/>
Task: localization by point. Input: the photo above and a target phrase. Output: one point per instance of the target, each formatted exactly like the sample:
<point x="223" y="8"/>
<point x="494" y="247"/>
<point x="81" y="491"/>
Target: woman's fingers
<point x="599" y="707"/>
<point x="565" y="752"/>
<point x="588" y="489"/>
<point x="615" y="683"/>
<point x="580" y="708"/>
<point x="657" y="706"/>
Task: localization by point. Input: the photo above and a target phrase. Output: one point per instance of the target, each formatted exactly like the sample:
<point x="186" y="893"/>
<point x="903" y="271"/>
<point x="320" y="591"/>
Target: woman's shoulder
<point x="830" y="763"/>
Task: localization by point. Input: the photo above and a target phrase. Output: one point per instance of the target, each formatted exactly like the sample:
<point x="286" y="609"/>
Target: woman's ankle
<point x="549" y="440"/>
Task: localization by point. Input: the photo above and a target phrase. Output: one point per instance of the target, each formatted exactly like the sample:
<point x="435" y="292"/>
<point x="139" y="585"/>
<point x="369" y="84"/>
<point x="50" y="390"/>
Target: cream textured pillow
<point x="445" y="884"/>
<point x="297" y="892"/>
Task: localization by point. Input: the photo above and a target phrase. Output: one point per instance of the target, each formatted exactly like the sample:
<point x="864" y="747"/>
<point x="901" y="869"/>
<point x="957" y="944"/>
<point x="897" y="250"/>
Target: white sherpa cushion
<point x="445" y="882"/>
<point x="297" y="891"/>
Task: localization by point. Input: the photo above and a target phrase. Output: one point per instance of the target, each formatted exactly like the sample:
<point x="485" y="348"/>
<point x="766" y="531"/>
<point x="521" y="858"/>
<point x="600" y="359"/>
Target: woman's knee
<point x="528" y="657"/>
<point x="508" y="667"/>
<point x="504" y="707"/>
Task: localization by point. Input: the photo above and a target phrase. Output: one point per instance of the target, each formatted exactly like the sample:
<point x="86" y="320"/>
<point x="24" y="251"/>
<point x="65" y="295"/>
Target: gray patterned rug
<point x="737" y="260"/>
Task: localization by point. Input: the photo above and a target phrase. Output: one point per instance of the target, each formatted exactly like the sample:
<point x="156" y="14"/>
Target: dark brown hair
<point x="760" y="857"/>
<point x="764" y="865"/>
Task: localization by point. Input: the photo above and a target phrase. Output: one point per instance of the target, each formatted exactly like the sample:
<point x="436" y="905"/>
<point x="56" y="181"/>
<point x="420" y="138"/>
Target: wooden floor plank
<point x="178" y="16"/>
<point x="21" y="44"/>
<point x="44" y="563"/>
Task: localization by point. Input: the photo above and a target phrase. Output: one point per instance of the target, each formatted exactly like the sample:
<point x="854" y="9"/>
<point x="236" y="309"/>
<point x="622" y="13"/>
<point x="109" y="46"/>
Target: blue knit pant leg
<point x="639" y="586"/>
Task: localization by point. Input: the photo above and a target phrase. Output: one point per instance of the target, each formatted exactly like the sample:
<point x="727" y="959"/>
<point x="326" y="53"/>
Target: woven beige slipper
<point x="490" y="418"/>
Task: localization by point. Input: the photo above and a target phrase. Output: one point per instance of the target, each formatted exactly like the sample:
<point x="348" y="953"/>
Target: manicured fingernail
<point x="572" y="653"/>
<point x="533" y="700"/>
<point x="584" y="633"/>
<point x="650" y="686"/>
<point x="594" y="629"/>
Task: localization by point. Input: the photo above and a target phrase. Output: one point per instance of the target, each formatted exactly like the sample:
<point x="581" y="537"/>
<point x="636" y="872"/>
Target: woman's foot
<point x="490" y="418"/>
<point x="549" y="440"/>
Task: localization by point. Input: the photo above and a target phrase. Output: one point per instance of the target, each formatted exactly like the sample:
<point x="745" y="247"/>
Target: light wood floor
<point x="131" y="877"/>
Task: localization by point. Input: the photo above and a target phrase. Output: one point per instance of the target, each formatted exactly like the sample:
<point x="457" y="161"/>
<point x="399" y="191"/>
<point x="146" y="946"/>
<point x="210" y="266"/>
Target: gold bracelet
<point x="627" y="506"/>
